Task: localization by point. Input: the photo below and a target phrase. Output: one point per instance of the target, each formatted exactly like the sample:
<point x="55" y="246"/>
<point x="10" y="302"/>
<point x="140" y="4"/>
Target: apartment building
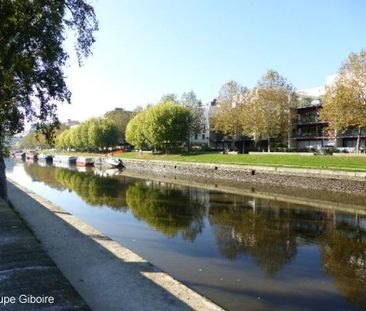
<point x="309" y="131"/>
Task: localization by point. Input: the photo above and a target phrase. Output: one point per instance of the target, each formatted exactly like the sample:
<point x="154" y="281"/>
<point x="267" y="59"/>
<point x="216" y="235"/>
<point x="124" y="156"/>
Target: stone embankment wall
<point x="338" y="181"/>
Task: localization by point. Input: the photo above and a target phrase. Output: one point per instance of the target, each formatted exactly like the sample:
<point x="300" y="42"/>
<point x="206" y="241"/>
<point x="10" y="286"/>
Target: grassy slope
<point x="322" y="162"/>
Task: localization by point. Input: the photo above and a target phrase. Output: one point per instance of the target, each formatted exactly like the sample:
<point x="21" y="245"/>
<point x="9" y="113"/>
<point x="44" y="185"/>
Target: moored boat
<point x="65" y="159"/>
<point x="109" y="162"/>
<point x="19" y="154"/>
<point x="84" y="161"/>
<point x="31" y="155"/>
<point x="45" y="158"/>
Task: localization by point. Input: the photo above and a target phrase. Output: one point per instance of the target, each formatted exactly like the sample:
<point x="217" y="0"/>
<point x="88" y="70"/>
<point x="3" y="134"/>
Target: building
<point x="309" y="132"/>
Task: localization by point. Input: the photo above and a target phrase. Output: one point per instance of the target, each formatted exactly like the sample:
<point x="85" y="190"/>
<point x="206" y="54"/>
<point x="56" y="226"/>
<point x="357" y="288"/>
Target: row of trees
<point x="94" y="134"/>
<point x="260" y="113"/>
<point x="265" y="112"/>
<point x="36" y="139"/>
<point x="166" y="124"/>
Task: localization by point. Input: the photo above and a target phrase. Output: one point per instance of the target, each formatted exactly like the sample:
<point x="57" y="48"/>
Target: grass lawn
<point x="318" y="162"/>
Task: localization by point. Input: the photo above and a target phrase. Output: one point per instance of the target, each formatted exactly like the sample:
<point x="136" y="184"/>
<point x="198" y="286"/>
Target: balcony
<point x="311" y="122"/>
<point x="351" y="133"/>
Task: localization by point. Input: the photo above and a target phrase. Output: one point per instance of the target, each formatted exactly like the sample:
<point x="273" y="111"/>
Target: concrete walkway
<point x="107" y="275"/>
<point x="25" y="269"/>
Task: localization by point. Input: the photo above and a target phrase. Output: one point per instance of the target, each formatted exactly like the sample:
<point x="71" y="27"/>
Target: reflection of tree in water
<point x="167" y="208"/>
<point x="265" y="234"/>
<point x="94" y="190"/>
<point x="45" y="174"/>
<point x="344" y="257"/>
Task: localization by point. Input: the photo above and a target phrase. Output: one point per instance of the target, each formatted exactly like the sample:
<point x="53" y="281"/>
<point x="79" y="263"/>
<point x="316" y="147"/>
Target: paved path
<point x="25" y="269"/>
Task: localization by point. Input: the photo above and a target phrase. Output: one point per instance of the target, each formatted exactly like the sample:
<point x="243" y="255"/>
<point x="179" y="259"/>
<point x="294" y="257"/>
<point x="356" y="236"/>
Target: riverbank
<point x="107" y="275"/>
<point x="311" y="179"/>
<point x="28" y="275"/>
<point x="338" y="163"/>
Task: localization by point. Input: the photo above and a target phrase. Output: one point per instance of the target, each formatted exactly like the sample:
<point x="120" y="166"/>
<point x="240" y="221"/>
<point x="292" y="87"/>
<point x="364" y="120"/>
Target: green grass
<point x="295" y="161"/>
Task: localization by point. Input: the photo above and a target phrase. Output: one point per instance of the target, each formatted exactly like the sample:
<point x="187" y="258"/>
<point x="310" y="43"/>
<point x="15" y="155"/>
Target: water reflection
<point x="270" y="232"/>
<point x="265" y="234"/>
<point x="166" y="208"/>
<point x="344" y="257"/>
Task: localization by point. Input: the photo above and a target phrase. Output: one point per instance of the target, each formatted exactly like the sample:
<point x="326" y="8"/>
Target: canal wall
<point x="107" y="275"/>
<point x="317" y="179"/>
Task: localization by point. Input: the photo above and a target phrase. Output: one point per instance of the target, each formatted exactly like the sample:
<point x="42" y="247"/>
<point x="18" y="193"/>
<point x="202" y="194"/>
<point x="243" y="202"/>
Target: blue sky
<point x="147" y="48"/>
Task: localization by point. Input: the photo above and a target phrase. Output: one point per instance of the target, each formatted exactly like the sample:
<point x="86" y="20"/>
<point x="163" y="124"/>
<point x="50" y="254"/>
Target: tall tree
<point x="120" y="119"/>
<point x="226" y="118"/>
<point x="32" y="58"/>
<point x="190" y="100"/>
<point x="266" y="113"/>
<point x="167" y="124"/>
<point x="170" y="97"/>
<point x="345" y="101"/>
<point x="135" y="131"/>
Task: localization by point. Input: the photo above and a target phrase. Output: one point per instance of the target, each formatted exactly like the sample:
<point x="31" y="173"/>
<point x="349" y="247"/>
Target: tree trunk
<point x="358" y="140"/>
<point x="269" y="144"/>
<point x="189" y="142"/>
<point x="3" y="185"/>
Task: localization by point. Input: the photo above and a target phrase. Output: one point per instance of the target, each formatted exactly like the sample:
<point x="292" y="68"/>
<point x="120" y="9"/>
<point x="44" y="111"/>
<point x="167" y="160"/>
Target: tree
<point x="345" y="101"/>
<point x="93" y="134"/>
<point x="266" y="113"/>
<point x="194" y="105"/>
<point x="190" y="100"/>
<point x="170" y="97"/>
<point x="135" y="133"/>
<point x="226" y="117"/>
<point x="163" y="125"/>
<point x="120" y="119"/>
<point x="167" y="124"/>
<point x="32" y="58"/>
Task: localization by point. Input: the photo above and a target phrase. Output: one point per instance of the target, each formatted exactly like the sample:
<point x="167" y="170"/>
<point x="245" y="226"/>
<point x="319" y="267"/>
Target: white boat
<point x="114" y="162"/>
<point x="45" y="157"/>
<point x="65" y="159"/>
<point x="84" y="161"/>
<point x="109" y="162"/>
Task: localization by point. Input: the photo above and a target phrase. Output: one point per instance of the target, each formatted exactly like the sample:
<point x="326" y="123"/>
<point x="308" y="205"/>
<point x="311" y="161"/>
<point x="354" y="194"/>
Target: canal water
<point x="243" y="252"/>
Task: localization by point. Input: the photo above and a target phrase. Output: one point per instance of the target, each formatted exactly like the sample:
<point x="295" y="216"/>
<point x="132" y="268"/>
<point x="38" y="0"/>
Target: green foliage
<point x="94" y="134"/>
<point x="120" y="119"/>
<point x="135" y="131"/>
<point x="167" y="124"/>
<point x="163" y="125"/>
<point x="32" y="58"/>
<point x="38" y="140"/>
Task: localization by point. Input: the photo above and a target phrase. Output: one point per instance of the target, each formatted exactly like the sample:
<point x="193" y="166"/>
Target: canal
<point x="242" y="252"/>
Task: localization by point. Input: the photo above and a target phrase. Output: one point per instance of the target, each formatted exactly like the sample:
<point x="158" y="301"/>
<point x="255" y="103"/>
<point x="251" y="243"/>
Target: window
<point x="203" y="136"/>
